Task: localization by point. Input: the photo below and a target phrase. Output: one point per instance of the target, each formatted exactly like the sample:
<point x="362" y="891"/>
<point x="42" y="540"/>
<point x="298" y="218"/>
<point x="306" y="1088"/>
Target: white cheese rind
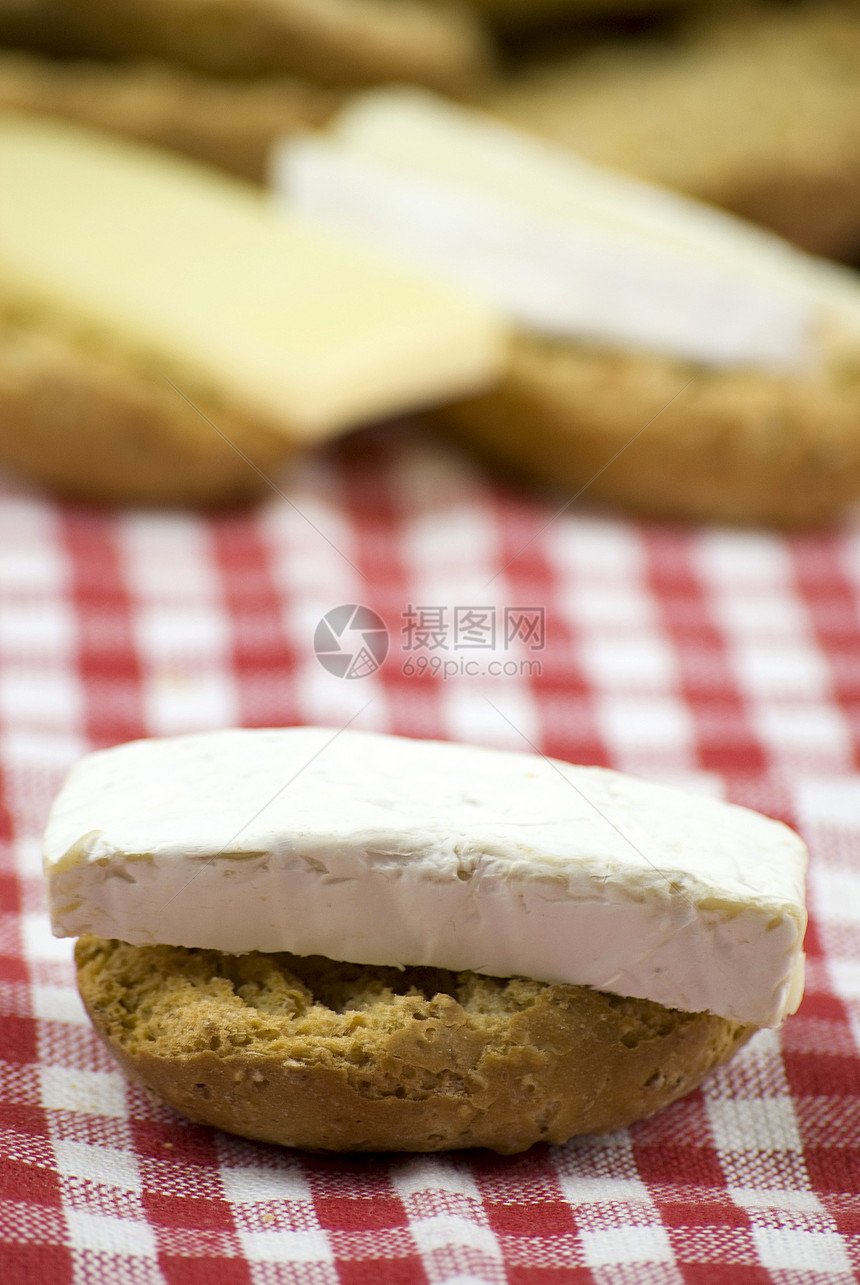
<point x="201" y="277"/>
<point x="562" y="245"/>
<point x="382" y="850"/>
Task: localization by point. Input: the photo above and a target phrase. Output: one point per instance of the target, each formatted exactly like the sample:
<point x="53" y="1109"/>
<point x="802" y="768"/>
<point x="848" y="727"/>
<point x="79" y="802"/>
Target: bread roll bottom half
<point x="311" y="1053"/>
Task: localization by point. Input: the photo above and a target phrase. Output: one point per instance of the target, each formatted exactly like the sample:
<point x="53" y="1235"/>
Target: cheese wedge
<point x="565" y="247"/>
<point x="381" y="850"/>
<point x="199" y="278"/>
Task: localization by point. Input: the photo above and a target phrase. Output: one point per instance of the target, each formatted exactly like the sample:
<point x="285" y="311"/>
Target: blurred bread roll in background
<point x="231" y="123"/>
<point x="757" y="111"/>
<point x="357" y="42"/>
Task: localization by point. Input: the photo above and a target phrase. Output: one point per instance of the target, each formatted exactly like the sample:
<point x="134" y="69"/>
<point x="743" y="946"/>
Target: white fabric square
<point x="250" y="1184"/>
<point x="790" y="669"/>
<point x="582" y="1189"/>
<point x="813" y="730"/>
<point x="32" y="568"/>
<point x="837" y="892"/>
<point x="627" y="1243"/>
<point x="93" y="1092"/>
<point x="845" y="974"/>
<point x="327" y="701"/>
<point x="742" y="557"/>
<point x="168" y="556"/>
<point x="650" y="724"/>
<point x="764" y="613"/>
<point x="797" y="1250"/>
<point x="607" y="606"/>
<point x="439" y="545"/>
<point x="795" y="1202"/>
<point x="445" y="1230"/>
<point x="98" y="1164"/>
<point x="595" y="547"/>
<point x="46" y="628"/>
<point x="418" y="1176"/>
<point x="760" y="1124"/>
<point x="170" y="634"/>
<point x="634" y="662"/>
<point x="40" y="944"/>
<point x="58" y="1004"/>
<point x="48" y="696"/>
<point x="286" y="1246"/>
<point x="190" y="700"/>
<point x="28" y="857"/>
<point x="831" y="801"/>
<point x="310" y="525"/>
<point x="41" y="750"/>
<point x="103" y="1234"/>
<point x="500" y="714"/>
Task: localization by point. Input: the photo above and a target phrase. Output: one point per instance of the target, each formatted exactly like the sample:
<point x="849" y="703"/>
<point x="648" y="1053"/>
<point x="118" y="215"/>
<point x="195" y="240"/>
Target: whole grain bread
<point x="231" y="123"/>
<point x="530" y="12"/>
<point x="97" y="425"/>
<point x="352" y="42"/>
<point x="665" y="438"/>
<point x="315" y="1054"/>
<point x="755" y="110"/>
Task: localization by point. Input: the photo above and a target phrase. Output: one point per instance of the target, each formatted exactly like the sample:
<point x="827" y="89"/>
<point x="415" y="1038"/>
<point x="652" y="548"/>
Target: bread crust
<point x="351" y="42"/>
<point x="735" y="446"/>
<point x="529" y="12"/>
<point x="314" y="1054"/>
<point x="228" y="123"/>
<point x="98" y="426"/>
<point x="756" y="110"/>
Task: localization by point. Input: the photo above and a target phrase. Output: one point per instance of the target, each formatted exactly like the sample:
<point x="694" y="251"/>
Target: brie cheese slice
<point x="564" y="246"/>
<point x="199" y="277"/>
<point x="382" y="850"/>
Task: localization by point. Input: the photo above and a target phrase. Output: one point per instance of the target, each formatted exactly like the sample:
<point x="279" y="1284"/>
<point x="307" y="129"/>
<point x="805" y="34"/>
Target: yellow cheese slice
<point x="202" y="277"/>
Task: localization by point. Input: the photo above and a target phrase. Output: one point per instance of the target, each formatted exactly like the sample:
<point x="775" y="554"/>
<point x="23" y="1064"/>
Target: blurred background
<point x="691" y="615"/>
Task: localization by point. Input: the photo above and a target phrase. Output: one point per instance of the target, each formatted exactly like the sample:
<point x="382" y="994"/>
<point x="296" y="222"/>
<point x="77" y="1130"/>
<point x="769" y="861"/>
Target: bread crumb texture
<point x="98" y="424"/>
<point x="311" y="1053"/>
<point x="735" y="446"/>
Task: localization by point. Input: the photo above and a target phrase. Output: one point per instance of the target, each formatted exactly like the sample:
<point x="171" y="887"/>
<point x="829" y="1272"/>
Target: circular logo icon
<point x="351" y="641"/>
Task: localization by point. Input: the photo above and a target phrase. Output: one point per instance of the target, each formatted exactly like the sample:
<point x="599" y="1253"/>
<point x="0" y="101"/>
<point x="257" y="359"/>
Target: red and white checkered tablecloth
<point x="728" y="661"/>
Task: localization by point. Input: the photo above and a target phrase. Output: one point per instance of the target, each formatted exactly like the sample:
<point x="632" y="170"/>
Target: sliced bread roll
<point x="231" y="123"/>
<point x="351" y="42"/>
<point x="409" y="945"/>
<point x="671" y="358"/>
<point x="162" y="321"/>
<point x="338" y="1057"/>
<point x="93" y="424"/>
<point x="756" y="109"/>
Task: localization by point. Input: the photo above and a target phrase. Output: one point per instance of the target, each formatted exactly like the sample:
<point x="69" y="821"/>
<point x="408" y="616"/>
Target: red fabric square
<point x="724" y="1274"/>
<point x="822" y="1075"/>
<point x="703" y="1208"/>
<point x="169" y="1211"/>
<point x="339" y="1213"/>
<point x="204" y="1271"/>
<point x="834" y="1169"/>
<point x="34" y="1264"/>
<point x="548" y="1218"/>
<point x="13" y="970"/>
<point x="28" y="1182"/>
<point x="10" y="894"/>
<point x="519" y="1275"/>
<point x="383" y="1271"/>
<point x="17" y="1039"/>
<point x="677" y="1166"/>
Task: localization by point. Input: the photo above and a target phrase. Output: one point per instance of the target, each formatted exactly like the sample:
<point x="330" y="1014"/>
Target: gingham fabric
<point x="726" y="661"/>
